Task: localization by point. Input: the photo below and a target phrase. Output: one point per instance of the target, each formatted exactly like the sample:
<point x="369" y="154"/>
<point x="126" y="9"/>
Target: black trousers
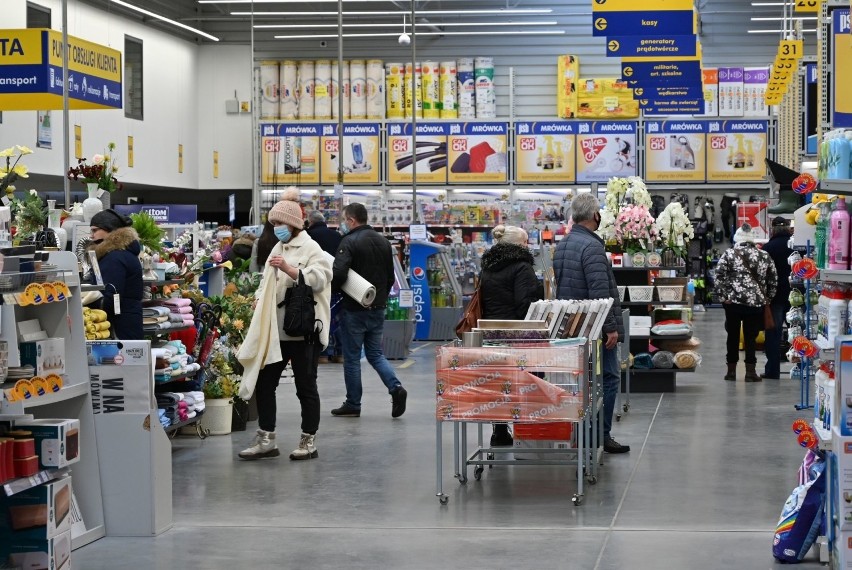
<point x="751" y="320"/>
<point x="304" y="359"/>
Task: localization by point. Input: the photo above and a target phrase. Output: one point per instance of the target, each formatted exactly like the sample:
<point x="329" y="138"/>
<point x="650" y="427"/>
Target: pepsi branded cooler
<point x="437" y="293"/>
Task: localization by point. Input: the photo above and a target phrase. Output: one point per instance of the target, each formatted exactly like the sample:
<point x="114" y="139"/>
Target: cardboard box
<point x="44" y="554"/>
<point x="57" y="441"/>
<point x="641" y="322"/>
<point x="120" y="376"/>
<point x="38" y="513"/>
<point x="46" y="356"/>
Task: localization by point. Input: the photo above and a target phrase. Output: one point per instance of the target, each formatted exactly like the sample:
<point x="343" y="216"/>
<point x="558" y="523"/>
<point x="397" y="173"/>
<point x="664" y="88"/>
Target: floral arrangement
<point x="635" y="229"/>
<point x="222" y="380"/>
<point x="101" y="171"/>
<point x="13" y="169"/>
<point x="619" y="193"/>
<point x="30" y="214"/>
<point x="674" y="228"/>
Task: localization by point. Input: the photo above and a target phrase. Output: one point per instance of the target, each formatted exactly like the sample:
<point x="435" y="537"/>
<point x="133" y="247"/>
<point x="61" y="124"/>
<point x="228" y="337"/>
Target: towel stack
<point x="178" y="307"/>
<point x="168" y="403"/>
<point x="165" y="314"/>
<point x="172" y="361"/>
<point x="96" y="324"/>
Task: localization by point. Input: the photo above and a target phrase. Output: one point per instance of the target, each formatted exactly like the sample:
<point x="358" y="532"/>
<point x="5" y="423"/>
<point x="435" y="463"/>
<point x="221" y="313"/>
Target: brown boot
<point x="751" y="374"/>
<point x="732" y="372"/>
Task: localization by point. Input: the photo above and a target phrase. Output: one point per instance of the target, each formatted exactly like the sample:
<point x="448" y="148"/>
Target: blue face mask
<point x="344" y="228"/>
<point x="283" y="233"/>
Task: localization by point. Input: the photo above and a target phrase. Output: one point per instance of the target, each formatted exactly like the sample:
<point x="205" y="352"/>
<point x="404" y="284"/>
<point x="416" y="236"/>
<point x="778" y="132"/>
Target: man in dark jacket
<point x="583" y="272"/>
<point x="779" y="251"/>
<point x="329" y="241"/>
<point x="369" y="254"/>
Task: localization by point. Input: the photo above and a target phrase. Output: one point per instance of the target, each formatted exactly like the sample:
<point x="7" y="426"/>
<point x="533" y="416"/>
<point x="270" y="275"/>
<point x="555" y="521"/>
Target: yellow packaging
<point x="473" y="215"/>
<point x="429" y="77"/>
<point x="25" y="390"/>
<point x="50" y="292"/>
<point x="54" y="382"/>
<point x="62" y="290"/>
<point x="608" y="107"/>
<point x="393" y="90"/>
<point x="40" y="385"/>
<point x="567" y="75"/>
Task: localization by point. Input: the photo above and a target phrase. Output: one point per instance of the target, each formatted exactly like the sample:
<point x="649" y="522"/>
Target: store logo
<point x="419" y="273"/>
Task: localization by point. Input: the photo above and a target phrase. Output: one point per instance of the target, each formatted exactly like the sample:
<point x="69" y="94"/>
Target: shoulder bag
<point x="471" y="315"/>
<point x="768" y="318"/>
<point x="299" y="314"/>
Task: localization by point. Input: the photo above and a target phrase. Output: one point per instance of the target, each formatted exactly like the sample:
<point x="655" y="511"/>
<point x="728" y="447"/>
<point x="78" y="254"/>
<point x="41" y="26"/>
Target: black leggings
<point x="304" y="359"/>
<point x="729" y="215"/>
<point x="751" y="319"/>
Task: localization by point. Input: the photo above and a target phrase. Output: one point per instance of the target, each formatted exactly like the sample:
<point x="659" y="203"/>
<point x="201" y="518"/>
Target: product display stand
<point x="64" y="319"/>
<point x="651" y="379"/>
<point x="399" y="326"/>
<point x="534" y="385"/>
<point x="437" y="293"/>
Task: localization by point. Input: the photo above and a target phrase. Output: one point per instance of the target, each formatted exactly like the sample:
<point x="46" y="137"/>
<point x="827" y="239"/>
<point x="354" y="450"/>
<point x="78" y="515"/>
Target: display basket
<point x="670" y="293"/>
<point x="621" y="290"/>
<point x="641" y="293"/>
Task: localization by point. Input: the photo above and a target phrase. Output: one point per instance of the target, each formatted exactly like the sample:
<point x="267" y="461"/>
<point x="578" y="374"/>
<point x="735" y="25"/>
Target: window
<point x="37" y="16"/>
<point x="133" y="107"/>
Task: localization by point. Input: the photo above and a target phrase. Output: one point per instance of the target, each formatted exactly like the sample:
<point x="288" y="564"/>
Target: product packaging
<point x="57" y="441"/>
<point x="39" y="513"/>
<point x="46" y="356"/>
<point x="38" y="554"/>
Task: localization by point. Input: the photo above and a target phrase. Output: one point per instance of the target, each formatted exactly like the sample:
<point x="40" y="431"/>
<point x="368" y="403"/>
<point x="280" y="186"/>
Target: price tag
<point x="406" y="298"/>
<point x="808" y="6"/>
<point x="116" y="303"/>
<point x="418" y="231"/>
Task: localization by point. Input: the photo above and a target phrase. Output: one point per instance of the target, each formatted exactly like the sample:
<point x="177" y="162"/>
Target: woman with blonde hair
<point x="508" y="286"/>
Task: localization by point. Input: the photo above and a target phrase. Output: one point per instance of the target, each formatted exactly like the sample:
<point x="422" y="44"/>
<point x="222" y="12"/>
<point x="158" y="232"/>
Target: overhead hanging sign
<point x="31" y="72"/>
<point x="162" y="213"/>
<point x="632" y="5"/>
<point x="544" y="151"/>
<point x="808" y="6"/>
<point x="605" y="149"/>
<point x="430" y="153"/>
<point x="674" y="151"/>
<point x="360" y="155"/>
<point x="736" y="150"/>
<point x="643" y="22"/>
<point x="289" y="153"/>
<point x="652" y="46"/>
<point x="478" y="152"/>
<point x="669" y="91"/>
<point x="842" y="76"/>
<point x="661" y="71"/>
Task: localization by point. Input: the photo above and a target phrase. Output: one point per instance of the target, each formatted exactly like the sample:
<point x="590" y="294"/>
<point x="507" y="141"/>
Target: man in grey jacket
<point x="584" y="272"/>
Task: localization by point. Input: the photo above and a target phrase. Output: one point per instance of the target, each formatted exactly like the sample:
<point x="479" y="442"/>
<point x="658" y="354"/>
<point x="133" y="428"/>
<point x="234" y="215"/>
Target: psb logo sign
<point x="418" y="273"/>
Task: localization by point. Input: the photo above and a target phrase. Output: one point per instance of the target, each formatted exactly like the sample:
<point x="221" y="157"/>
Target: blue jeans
<point x="364" y="329"/>
<point x="611" y="381"/>
<point x="333" y="348"/>
<point x="772" y="346"/>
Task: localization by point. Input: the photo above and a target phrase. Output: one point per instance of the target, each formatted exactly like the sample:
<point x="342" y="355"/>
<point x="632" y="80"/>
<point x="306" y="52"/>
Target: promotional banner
<point x="643" y="22"/>
<point x="544" y="152"/>
<point x="289" y="153"/>
<point x="736" y="150"/>
<point x="652" y="46"/>
<point x="162" y="213"/>
<point x="842" y="76"/>
<point x="360" y="154"/>
<point x="430" y="154"/>
<point x="478" y="152"/>
<point x="605" y="149"/>
<point x="31" y="72"/>
<point x="674" y="151"/>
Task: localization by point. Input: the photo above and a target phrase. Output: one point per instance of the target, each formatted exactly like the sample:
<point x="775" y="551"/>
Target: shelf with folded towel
<point x="189" y="422"/>
<point x="188" y="377"/>
<point x="169" y="330"/>
<point x="14" y="486"/>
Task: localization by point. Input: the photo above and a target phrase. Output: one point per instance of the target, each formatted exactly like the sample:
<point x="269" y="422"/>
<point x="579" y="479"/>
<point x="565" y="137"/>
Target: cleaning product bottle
<point x="822" y="158"/>
<point x="843" y="152"/>
<point x="838" y="242"/>
<point x="549" y="159"/>
<point x="821" y="235"/>
<point x="832" y="309"/>
<point x="740" y="155"/>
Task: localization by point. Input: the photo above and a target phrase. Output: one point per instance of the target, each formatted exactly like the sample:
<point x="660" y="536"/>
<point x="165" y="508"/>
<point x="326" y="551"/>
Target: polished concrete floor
<point x="710" y="468"/>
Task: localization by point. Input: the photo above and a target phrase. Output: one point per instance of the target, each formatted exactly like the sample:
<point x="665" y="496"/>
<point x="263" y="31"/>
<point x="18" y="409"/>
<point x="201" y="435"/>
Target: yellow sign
<point x="78" y="141"/>
<point x="644" y="5"/>
<point x="180" y="158"/>
<point x="808" y="6"/>
<point x="215" y="164"/>
<point x="791" y="49"/>
<point x="129" y="152"/>
<point x="735" y="156"/>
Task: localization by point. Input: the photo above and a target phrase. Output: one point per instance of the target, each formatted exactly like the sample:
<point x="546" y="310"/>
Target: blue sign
<point x="669" y="91"/>
<point x="479" y="129"/>
<point x="352" y="129"/>
<point x="606" y="127"/>
<point x="842" y="73"/>
<point x="673" y="108"/>
<point x="546" y="128"/>
<point x="652" y="46"/>
<point x="660" y="71"/>
<point x="404" y="129"/>
<point x="643" y="23"/>
<point x="85" y="87"/>
<point x="738" y="126"/>
<point x="162" y="213"/>
<point x="420" y="253"/>
<point x="676" y="127"/>
<point x="290" y="130"/>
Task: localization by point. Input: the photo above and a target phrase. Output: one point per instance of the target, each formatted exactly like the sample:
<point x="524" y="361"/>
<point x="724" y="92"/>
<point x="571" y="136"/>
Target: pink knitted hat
<point x="288" y="210"/>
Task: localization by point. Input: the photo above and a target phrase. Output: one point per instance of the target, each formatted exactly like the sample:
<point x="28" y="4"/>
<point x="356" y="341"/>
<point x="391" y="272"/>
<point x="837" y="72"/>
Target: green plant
<point x="150" y="234"/>
<point x="30" y="213"/>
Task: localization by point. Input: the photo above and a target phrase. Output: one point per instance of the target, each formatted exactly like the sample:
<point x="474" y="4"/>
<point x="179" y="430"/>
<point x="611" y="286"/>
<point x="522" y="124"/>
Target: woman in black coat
<point x="117" y="248"/>
<point x="508" y="286"/>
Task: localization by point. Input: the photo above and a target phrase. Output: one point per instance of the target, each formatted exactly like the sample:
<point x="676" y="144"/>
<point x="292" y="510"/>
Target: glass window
<point x="133" y="103"/>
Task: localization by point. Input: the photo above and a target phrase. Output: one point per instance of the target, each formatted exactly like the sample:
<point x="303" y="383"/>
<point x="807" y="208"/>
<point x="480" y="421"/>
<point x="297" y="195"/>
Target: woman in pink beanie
<point x="294" y="253"/>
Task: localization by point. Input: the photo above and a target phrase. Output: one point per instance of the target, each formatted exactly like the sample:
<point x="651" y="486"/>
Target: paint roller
<point x="356" y="286"/>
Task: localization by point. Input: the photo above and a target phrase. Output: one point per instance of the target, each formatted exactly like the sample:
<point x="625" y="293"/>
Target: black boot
<point x="501" y="437"/>
<point x="732" y="372"/>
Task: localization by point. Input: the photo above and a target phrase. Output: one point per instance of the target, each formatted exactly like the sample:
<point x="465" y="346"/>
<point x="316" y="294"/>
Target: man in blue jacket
<point x="584" y="272"/>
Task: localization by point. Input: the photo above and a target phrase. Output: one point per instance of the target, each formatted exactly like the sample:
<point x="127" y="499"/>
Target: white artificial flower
<point x="98" y="159"/>
<point x="33" y="192"/>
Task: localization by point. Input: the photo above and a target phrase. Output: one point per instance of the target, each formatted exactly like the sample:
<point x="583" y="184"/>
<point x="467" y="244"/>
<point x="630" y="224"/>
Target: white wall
<point x="179" y="107"/>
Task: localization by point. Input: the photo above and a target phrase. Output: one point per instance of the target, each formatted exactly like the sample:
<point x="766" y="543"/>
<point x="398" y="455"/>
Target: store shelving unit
<point x="65" y="320"/>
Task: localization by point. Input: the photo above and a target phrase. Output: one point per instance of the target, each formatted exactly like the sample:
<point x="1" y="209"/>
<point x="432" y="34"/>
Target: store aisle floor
<point x="710" y="468"/>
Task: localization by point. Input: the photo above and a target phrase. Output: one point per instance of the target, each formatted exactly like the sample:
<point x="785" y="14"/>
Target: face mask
<point x="283" y="234"/>
<point x="344" y="228"/>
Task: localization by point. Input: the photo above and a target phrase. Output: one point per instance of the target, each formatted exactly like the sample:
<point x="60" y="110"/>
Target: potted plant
<point x="675" y="231"/>
<point x="221" y="386"/>
<point x="97" y="175"/>
<point x="636" y="231"/>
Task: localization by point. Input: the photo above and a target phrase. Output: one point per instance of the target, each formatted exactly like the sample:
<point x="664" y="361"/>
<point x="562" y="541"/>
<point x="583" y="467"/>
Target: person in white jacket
<point x="295" y="253"/>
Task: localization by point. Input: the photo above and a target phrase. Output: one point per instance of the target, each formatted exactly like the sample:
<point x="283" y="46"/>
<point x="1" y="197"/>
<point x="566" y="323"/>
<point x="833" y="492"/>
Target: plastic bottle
<point x="838" y="242"/>
<point x="842" y="168"/>
<point x="832" y="310"/>
<point x="832" y="155"/>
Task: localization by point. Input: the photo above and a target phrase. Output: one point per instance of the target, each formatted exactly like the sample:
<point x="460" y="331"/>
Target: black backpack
<point x="299" y="315"/>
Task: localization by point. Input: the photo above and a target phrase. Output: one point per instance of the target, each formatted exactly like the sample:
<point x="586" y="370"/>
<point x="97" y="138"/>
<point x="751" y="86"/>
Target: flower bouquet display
<point x="99" y="174"/>
<point x="620" y="192"/>
<point x="12" y="170"/>
<point x="635" y="231"/>
<point x="675" y="231"/>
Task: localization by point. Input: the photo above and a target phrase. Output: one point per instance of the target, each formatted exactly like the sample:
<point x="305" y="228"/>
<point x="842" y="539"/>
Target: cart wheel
<point x="443" y="499"/>
<point x="618" y="417"/>
<point x="462" y="478"/>
<point x="592" y="479"/>
<point x="477" y="473"/>
<point x="577" y="500"/>
<point x="626" y="407"/>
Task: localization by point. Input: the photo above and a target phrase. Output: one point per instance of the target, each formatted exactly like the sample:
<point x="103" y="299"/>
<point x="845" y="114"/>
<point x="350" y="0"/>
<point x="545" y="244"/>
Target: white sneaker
<point x="306" y="449"/>
<point x="262" y="446"/>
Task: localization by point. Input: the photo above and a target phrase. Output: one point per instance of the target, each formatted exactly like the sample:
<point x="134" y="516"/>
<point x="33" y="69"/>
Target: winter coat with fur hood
<point x="118" y="258"/>
<point x="508" y="282"/>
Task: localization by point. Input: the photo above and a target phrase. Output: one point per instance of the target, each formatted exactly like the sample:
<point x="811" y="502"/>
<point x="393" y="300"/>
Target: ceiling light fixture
<point x="391" y="34"/>
<point x="425" y="13"/>
<point x="164" y="19"/>
<point x="391" y="25"/>
<point x="779" y="19"/>
<point x="808" y="31"/>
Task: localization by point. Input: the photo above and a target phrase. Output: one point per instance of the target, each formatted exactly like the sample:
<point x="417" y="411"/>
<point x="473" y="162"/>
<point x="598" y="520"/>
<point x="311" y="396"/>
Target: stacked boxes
<point x="567" y="76"/>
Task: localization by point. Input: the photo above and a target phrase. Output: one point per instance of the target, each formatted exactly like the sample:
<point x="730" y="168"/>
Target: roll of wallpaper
<point x="336" y="91"/>
<point x="413" y="91"/>
<point x="322" y="89"/>
<point x="486" y="99"/>
<point x="393" y="89"/>
<point x="447" y="87"/>
<point x="288" y="98"/>
<point x="269" y="82"/>
<point x="357" y="287"/>
<point x="430" y="89"/>
<point x="358" y="82"/>
<point x="466" y="88"/>
<point x="375" y="89"/>
<point x="306" y="89"/>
